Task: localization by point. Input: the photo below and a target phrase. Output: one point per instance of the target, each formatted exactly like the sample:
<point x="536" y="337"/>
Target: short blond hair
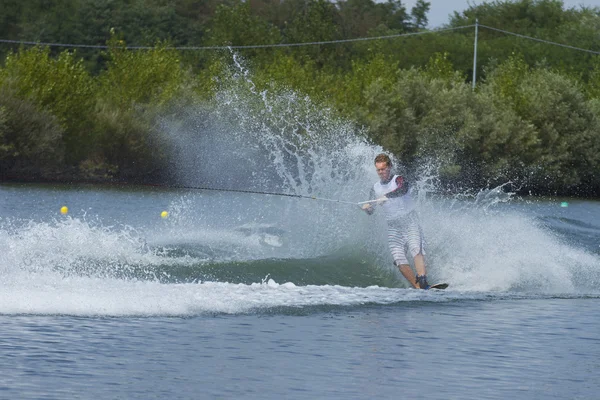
<point x="383" y="158"/>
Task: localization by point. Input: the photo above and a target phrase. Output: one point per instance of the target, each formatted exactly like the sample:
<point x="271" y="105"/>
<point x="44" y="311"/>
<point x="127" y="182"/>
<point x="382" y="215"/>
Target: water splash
<point x="73" y="247"/>
<point x="272" y="139"/>
<point x="281" y="141"/>
<point x="475" y="239"/>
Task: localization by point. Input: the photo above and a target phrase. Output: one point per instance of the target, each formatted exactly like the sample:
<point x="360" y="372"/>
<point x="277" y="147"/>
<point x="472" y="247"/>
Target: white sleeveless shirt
<point x="395" y="207"/>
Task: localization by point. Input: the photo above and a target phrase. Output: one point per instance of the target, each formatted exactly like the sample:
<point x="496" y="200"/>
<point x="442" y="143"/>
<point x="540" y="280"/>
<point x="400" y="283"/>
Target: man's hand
<point x="381" y="200"/>
<point x="368" y="208"/>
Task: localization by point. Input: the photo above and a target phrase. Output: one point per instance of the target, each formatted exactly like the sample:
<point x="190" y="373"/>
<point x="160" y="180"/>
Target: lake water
<point x="249" y="296"/>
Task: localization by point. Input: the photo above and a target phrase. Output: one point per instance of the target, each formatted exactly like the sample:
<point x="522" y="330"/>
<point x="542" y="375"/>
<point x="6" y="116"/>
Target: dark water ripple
<point x="540" y="349"/>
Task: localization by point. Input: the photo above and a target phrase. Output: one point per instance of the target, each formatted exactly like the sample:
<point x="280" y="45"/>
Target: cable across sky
<point x="318" y="43"/>
<point x="255" y="46"/>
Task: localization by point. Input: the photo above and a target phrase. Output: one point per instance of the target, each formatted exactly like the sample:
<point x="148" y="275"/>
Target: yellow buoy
<point x="164" y="214"/>
<point x="64" y="210"/>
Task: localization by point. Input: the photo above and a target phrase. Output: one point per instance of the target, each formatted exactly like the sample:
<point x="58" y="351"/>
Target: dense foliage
<point x="91" y="113"/>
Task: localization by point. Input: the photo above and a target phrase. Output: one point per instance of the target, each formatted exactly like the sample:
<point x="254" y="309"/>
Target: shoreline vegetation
<point x="90" y="115"/>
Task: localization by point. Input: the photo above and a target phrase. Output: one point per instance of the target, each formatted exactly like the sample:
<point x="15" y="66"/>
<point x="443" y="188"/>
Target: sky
<point x="441" y="9"/>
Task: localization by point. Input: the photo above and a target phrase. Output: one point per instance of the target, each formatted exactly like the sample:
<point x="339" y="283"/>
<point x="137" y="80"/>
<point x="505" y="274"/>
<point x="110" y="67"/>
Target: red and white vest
<point x="395" y="207"/>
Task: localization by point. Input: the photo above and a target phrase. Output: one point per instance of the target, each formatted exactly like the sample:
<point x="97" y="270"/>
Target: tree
<point x="236" y="25"/>
<point x="419" y="14"/>
<point x="358" y="17"/>
<point x="315" y="23"/>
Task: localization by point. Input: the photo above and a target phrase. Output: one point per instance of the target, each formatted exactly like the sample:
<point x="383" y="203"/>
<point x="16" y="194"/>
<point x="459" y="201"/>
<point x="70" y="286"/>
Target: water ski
<point x="439" y="286"/>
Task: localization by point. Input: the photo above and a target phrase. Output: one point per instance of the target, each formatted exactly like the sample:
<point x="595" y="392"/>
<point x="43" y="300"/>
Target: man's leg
<point x="420" y="264"/>
<point x="408" y="273"/>
<point x="421" y="272"/>
<point x="415" y="243"/>
<point x="397" y="243"/>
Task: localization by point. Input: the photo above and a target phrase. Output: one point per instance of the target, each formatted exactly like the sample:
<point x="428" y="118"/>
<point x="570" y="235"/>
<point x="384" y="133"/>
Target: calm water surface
<point x="547" y="348"/>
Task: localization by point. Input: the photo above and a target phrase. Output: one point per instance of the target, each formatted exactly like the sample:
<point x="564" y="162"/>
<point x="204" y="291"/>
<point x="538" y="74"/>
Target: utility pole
<point x="475" y="53"/>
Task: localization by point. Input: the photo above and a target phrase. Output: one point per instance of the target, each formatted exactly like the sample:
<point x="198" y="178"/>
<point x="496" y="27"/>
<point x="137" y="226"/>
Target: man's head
<point x="383" y="164"/>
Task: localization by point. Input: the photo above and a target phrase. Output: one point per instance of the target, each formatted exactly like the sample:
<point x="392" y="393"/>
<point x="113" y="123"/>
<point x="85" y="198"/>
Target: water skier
<point x="393" y="194"/>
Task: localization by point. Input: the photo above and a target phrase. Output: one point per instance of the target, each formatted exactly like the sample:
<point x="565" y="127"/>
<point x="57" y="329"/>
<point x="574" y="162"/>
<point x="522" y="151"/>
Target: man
<point x="404" y="232"/>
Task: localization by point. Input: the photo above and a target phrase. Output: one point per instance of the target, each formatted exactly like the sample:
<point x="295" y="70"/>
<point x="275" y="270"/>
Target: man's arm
<point x="401" y="190"/>
<point x="368" y="208"/>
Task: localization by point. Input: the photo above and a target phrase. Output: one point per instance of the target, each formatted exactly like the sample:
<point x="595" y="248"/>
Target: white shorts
<point x="405" y="236"/>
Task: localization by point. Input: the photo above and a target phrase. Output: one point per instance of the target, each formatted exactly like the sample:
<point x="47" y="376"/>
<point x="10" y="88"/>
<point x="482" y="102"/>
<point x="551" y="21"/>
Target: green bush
<point x="135" y="88"/>
<point x="31" y="144"/>
<point x="417" y="116"/>
<point x="124" y="144"/>
<point x="61" y="86"/>
<point x="132" y="77"/>
<point x="563" y="146"/>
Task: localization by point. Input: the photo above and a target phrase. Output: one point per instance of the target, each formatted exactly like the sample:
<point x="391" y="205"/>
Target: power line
<point x="540" y="40"/>
<point x="91" y="46"/>
<point x="256" y="46"/>
<point x="259" y="46"/>
<point x="341" y="40"/>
